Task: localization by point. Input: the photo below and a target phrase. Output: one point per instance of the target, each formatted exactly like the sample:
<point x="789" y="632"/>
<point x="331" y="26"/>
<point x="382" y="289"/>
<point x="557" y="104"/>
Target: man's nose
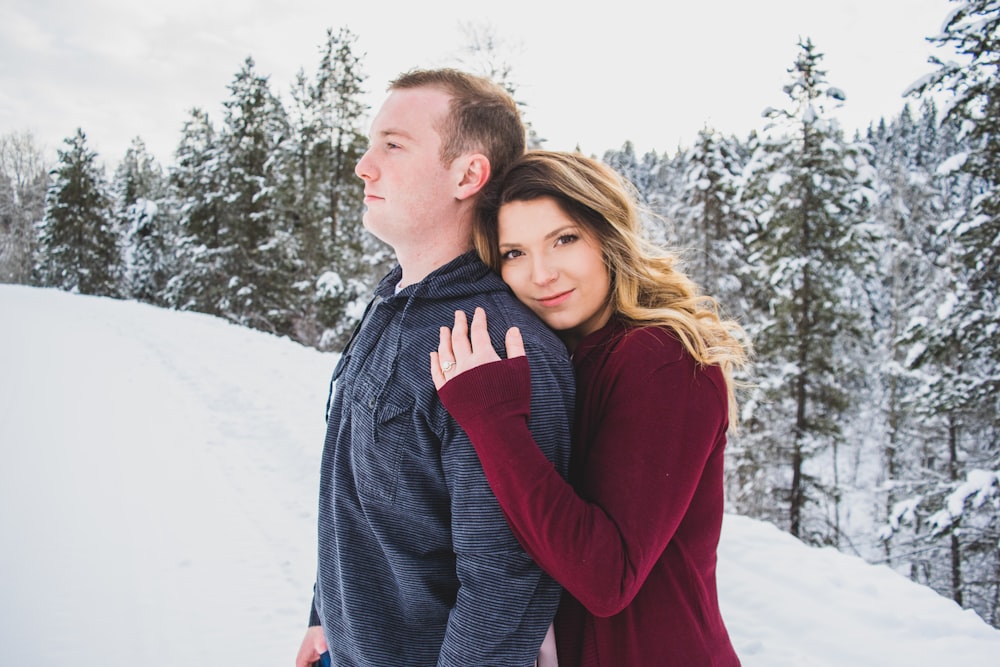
<point x="364" y="168"/>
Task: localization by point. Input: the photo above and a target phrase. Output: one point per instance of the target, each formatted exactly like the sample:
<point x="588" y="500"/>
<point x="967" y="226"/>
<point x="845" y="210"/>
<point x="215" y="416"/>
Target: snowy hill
<point x="157" y="507"/>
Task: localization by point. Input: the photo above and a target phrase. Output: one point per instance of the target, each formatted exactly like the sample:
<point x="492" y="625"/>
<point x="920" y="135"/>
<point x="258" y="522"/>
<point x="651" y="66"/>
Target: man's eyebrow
<point x="391" y="132"/>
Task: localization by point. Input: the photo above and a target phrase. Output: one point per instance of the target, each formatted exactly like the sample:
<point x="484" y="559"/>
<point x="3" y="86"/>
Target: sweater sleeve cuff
<point x="487" y="392"/>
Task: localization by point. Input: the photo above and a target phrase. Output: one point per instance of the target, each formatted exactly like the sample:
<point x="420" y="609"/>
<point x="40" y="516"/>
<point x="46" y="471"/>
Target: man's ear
<point x="474" y="177"/>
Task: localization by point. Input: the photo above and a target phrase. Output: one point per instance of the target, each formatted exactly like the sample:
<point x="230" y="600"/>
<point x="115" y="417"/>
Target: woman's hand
<point x="463" y="348"/>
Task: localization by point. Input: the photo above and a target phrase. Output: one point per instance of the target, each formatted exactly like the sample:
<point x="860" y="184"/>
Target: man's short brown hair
<point x="483" y="116"/>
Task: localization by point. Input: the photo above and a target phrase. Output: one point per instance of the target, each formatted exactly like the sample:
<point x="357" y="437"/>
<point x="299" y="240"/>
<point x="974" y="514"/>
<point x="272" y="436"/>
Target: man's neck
<point x="418" y="266"/>
<point x="418" y="260"/>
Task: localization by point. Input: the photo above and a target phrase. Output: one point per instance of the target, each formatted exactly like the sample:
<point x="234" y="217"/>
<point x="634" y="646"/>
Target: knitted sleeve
<point x="644" y="465"/>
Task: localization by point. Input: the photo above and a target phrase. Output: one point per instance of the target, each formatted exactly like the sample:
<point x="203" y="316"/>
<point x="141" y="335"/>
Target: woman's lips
<point x="555" y="299"/>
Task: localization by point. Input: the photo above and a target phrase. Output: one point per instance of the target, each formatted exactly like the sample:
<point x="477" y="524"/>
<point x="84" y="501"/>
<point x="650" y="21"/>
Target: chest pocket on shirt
<point x="381" y="428"/>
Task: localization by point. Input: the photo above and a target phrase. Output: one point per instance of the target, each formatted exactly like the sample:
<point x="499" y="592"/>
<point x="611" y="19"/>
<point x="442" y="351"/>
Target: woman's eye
<point x="566" y="239"/>
<point x="511" y="254"/>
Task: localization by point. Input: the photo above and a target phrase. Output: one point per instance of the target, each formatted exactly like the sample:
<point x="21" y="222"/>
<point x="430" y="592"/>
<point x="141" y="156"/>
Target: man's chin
<point x="370" y="223"/>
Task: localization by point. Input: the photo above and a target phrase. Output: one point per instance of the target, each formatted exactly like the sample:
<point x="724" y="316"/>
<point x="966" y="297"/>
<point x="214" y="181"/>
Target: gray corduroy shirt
<point x="416" y="563"/>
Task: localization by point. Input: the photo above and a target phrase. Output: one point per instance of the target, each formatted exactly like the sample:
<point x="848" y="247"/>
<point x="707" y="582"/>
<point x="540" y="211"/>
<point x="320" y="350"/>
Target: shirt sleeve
<point x="505" y="601"/>
<point x="658" y="429"/>
<point x="314" y="618"/>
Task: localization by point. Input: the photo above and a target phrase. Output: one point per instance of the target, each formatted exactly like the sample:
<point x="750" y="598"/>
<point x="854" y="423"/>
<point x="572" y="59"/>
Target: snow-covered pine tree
<point x="77" y="245"/>
<point x="260" y="255"/>
<point x="326" y="197"/>
<point x="642" y="172"/>
<point x="913" y="198"/>
<point x="712" y="231"/>
<point x="148" y="236"/>
<point x="808" y="189"/>
<point x="905" y="199"/>
<point x="956" y="349"/>
<point x="658" y="186"/>
<point x="237" y="257"/>
<point x="23" y="181"/>
<point x="709" y="221"/>
<point x="196" y="180"/>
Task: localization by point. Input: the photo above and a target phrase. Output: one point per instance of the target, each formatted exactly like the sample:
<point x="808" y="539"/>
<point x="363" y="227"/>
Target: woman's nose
<point x="543" y="272"/>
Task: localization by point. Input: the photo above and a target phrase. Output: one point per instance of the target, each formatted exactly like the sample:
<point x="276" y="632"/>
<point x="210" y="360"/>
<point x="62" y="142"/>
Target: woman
<point x="632" y="536"/>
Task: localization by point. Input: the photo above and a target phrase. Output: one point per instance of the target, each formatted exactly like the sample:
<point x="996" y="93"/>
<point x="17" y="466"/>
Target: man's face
<point x="409" y="193"/>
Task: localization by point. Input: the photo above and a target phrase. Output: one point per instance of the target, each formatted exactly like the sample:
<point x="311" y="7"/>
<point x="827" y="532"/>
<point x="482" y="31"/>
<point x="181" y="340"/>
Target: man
<point x="417" y="565"/>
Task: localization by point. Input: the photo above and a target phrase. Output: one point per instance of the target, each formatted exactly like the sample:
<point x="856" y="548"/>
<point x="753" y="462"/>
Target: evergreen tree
<point x="77" y="245"/>
<point x="196" y="180"/>
<point x="955" y="348"/>
<point x="326" y="196"/>
<point x="658" y="187"/>
<point x="910" y="206"/>
<point x="238" y="257"/>
<point x="145" y="225"/>
<point x="807" y="187"/>
<point x="640" y="172"/>
<point x="710" y="221"/>
<point x="260" y="253"/>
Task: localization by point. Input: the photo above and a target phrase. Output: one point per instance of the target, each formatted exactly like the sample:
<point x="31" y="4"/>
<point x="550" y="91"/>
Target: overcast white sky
<point x="591" y="78"/>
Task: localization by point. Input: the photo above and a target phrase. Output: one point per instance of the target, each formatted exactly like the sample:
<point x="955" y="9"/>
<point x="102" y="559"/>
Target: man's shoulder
<point x="509" y="312"/>
<point x="489" y="291"/>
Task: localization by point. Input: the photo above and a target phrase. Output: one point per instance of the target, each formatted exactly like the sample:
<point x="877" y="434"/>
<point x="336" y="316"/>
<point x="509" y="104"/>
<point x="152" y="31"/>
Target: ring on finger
<point x="447" y="366"/>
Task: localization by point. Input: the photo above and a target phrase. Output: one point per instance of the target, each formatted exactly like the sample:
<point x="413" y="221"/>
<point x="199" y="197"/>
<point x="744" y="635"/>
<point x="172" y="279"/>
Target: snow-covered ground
<point x="158" y="480"/>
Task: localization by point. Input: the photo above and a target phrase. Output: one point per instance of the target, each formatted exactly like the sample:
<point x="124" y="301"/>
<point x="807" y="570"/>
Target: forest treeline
<point x="863" y="267"/>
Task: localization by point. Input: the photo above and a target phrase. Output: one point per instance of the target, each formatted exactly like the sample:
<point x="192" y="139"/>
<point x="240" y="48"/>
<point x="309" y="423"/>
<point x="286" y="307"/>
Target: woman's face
<point x="555" y="267"/>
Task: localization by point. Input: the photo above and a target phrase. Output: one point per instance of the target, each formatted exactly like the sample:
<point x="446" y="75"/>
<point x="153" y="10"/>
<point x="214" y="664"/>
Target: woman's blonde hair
<point x="647" y="287"/>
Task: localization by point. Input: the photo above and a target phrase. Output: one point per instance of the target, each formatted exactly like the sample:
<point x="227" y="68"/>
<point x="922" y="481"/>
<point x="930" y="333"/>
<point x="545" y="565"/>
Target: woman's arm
<point x="658" y="427"/>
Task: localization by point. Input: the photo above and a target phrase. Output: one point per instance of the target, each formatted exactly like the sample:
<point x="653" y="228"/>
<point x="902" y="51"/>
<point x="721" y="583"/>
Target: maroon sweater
<point x="632" y="537"/>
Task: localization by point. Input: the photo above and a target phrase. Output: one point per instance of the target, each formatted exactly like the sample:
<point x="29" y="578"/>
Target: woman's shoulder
<point x="652" y="344"/>
<point x="646" y="353"/>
